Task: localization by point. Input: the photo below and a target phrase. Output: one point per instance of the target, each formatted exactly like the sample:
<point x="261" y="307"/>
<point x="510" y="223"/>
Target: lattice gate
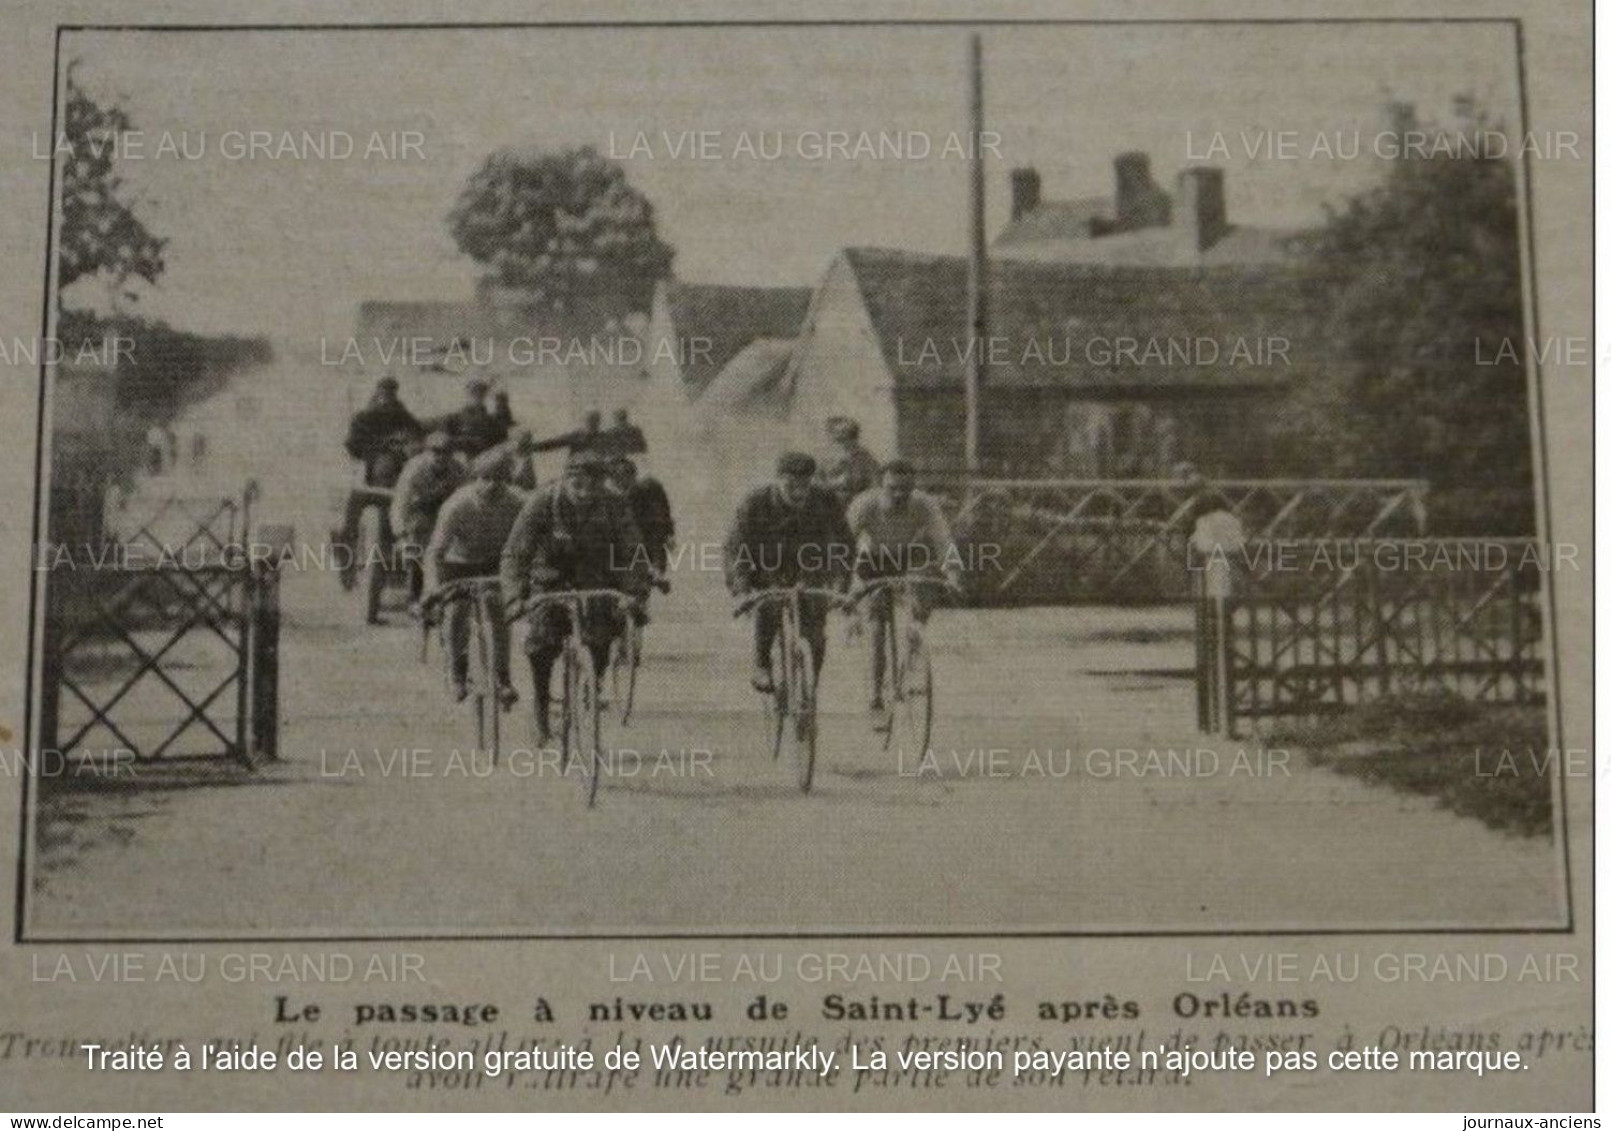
<point x="164" y="643"/>
<point x="1314" y="627"/>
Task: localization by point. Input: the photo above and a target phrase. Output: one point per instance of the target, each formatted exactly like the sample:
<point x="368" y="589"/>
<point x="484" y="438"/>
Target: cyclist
<point x="622" y="437"/>
<point x="899" y="530"/>
<point x="471" y="530"/>
<point x="424" y="485"/>
<point x="851" y="469"/>
<point x="474" y="427"/>
<point x="516" y="451"/>
<point x="789" y="532"/>
<point x="651" y="510"/>
<point x="575" y="534"/>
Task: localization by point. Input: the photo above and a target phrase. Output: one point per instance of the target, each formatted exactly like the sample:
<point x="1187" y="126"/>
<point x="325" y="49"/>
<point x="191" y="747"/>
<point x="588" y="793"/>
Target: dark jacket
<point x="622" y="440"/>
<point x="591" y="546"/>
<point x="651" y="510"/>
<point x="773" y="543"/>
<point x="368" y="436"/>
<point x="474" y="430"/>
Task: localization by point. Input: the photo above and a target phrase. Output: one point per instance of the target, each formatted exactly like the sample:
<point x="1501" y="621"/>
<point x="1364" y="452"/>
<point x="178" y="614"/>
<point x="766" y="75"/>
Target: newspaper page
<point x="741" y="557"/>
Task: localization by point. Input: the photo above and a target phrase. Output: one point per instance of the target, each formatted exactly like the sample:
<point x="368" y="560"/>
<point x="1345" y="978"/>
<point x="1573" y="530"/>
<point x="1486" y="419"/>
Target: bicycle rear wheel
<point x="803" y="714"/>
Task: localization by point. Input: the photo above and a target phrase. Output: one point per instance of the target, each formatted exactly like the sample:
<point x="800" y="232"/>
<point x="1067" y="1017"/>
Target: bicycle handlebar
<point x="464" y="589"/>
<point x="779" y="592"/>
<point x="536" y="601"/>
<point x="862" y="592"/>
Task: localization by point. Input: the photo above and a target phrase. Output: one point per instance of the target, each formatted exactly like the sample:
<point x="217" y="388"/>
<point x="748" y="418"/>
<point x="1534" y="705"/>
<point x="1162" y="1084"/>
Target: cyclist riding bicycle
<point x="899" y="530"/>
<point x="851" y="468"/>
<point x="470" y="533"/>
<point x="789" y="532"/>
<point x="425" y="484"/>
<point x="575" y="534"/>
<point x="651" y="510"/>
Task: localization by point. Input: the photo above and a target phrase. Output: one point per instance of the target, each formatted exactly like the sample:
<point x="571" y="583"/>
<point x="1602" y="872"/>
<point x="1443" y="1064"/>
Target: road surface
<point x="1066" y="791"/>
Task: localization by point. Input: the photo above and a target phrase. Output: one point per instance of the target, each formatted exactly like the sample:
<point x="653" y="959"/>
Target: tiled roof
<point x="1090" y="325"/>
<point x="713" y="323"/>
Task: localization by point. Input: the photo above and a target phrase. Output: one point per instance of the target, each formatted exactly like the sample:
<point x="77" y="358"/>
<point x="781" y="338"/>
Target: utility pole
<point x="978" y="263"/>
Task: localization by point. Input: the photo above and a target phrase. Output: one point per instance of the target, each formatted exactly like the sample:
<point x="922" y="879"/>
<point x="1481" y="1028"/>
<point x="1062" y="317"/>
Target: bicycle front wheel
<point x="913" y="706"/>
<point x="778" y="704"/>
<point x="803" y="714"/>
<point x="584" y="713"/>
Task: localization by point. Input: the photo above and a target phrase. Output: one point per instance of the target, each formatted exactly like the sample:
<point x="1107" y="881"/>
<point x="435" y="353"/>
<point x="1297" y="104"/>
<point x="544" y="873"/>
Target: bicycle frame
<point x="577" y="657"/>
<point x="787" y="699"/>
<point x="485" y="682"/>
<point x="899" y="663"/>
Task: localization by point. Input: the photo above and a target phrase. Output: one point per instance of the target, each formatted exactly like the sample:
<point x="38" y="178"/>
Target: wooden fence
<point x="1305" y="628"/>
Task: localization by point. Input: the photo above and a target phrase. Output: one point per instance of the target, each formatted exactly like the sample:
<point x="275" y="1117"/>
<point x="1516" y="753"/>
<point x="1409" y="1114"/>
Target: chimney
<point x="1025" y="192"/>
<point x="1137" y="201"/>
<point x="1202" y="205"/>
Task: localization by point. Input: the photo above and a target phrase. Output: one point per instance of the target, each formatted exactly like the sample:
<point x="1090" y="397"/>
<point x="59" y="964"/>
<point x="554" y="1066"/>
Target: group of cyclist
<point x="464" y="488"/>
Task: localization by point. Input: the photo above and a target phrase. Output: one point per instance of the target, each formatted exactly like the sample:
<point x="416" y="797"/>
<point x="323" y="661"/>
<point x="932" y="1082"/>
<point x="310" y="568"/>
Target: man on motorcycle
<point x="424" y="485"/>
<point x="381" y="436"/>
<point x="574" y="534"/>
<point x="379" y="431"/>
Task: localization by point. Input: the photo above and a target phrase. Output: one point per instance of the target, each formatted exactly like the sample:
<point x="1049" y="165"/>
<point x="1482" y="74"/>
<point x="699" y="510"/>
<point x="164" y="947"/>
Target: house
<point x="697" y="329"/>
<point x="1089" y="370"/>
<point x="1141" y="224"/>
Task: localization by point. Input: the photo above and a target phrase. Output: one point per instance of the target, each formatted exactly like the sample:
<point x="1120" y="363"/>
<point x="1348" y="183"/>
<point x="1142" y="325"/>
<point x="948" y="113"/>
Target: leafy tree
<point x="100" y="234"/>
<point x="565" y="228"/>
<point x="1425" y="315"/>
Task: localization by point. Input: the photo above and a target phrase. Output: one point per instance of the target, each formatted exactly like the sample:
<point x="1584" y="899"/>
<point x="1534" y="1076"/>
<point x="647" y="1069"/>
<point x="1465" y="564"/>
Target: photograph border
<point x="1530" y="315"/>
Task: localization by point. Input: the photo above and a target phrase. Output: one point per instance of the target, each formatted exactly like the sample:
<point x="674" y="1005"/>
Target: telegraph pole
<point x="978" y="263"/>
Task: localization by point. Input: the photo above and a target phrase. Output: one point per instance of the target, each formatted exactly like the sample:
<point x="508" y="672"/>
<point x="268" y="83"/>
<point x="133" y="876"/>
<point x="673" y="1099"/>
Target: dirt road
<point x="1067" y="790"/>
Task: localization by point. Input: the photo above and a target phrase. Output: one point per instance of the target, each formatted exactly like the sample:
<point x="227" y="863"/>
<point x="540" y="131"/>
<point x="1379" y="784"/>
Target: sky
<point x="290" y="243"/>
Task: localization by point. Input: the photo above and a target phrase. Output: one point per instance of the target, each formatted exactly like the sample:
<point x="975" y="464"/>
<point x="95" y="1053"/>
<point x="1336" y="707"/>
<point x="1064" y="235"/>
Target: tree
<point x="100" y="234"/>
<point x="566" y="228"/>
<point x="1425" y="317"/>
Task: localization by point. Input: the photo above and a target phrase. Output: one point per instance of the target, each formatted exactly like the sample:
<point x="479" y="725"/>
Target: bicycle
<point x="792" y="705"/>
<point x="625" y="659"/>
<point x="482" y="677"/>
<point x="581" y="705"/>
<point x="906" y="687"/>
